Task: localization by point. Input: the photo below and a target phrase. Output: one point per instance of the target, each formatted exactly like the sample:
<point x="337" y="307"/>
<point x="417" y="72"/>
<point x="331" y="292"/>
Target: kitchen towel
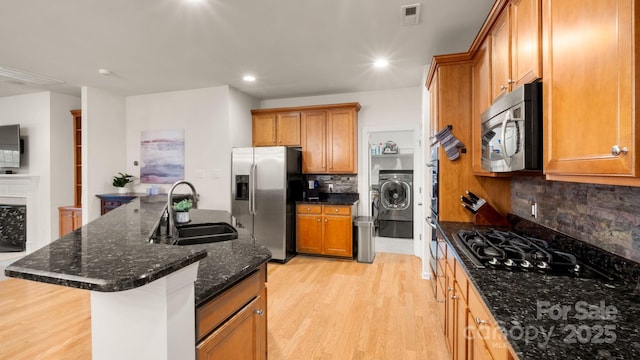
<point x="449" y="143"/>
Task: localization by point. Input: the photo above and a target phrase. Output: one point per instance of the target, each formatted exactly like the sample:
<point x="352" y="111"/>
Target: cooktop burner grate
<point x="511" y="251"/>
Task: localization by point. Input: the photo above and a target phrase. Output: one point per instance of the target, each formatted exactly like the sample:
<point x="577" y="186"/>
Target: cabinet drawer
<point x="112" y="204"/>
<point x="216" y="311"/>
<point x="309" y="209"/>
<point x="337" y="210"/>
<point x="463" y="281"/>
<point x="489" y="331"/>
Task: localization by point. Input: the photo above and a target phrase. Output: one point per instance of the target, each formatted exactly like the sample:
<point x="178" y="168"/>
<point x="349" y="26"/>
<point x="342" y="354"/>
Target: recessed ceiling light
<point x="249" y="78"/>
<point x="380" y="63"/>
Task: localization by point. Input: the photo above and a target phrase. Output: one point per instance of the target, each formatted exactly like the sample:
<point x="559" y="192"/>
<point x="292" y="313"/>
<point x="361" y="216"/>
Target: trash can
<point x="364" y="238"/>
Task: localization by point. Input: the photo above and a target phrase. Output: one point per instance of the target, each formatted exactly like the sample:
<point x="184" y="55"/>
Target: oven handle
<point x="431" y="223"/>
<point x="507" y="117"/>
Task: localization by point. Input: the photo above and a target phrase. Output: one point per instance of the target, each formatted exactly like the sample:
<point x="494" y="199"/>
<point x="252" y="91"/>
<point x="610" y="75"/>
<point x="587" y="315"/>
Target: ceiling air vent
<point x="410" y="14"/>
<point x="17" y="76"/>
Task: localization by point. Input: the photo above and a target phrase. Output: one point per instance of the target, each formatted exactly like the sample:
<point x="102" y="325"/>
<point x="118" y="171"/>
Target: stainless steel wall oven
<point x="433" y="218"/>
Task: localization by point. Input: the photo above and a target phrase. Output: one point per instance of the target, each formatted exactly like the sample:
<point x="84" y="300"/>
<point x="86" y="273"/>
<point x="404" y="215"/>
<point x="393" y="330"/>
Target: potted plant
<point x="121" y="180"/>
<point x="181" y="209"/>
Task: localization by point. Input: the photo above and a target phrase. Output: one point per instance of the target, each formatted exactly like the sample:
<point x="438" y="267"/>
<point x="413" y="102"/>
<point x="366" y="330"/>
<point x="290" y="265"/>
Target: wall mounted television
<point x="10" y="146"/>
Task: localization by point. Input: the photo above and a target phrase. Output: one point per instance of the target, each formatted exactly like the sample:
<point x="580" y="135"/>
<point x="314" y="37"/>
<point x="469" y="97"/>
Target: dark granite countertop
<point x="333" y="199"/>
<point x="113" y="253"/>
<point x="328" y="202"/>
<point x="557" y="317"/>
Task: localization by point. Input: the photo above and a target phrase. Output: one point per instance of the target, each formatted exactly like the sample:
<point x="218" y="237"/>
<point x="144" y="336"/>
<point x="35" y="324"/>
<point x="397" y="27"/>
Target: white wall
<point x="45" y="124"/>
<point x="214" y="120"/>
<point x="103" y="148"/>
<point x="240" y="106"/>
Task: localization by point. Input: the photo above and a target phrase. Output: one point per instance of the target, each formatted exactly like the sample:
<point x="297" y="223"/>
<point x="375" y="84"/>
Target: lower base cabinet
<point x="324" y="230"/>
<point x="470" y="330"/>
<point x="70" y="218"/>
<point x="234" y="324"/>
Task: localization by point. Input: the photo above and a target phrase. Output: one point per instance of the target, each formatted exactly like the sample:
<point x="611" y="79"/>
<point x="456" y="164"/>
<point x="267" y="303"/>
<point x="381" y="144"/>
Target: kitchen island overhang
<point x="112" y="257"/>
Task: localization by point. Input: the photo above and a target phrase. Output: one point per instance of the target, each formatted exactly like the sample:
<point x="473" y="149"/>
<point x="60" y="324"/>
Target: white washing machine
<point x="395" y="214"/>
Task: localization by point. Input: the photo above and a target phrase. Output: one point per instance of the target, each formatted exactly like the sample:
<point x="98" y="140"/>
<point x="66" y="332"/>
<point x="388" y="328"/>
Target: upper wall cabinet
<point x="328" y="135"/>
<point x="276" y="128"/>
<point x="515" y="46"/>
<point x="449" y="84"/>
<point x="590" y="82"/>
<point x="481" y="95"/>
<point x="526" y="32"/>
<point x="329" y="139"/>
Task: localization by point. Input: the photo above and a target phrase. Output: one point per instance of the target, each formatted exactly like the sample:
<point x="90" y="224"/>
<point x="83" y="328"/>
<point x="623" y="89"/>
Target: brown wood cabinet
<point x="70" y="219"/>
<point x="500" y="56"/>
<point x="328" y="135"/>
<point x="470" y="330"/>
<point x="450" y="88"/>
<point x="235" y="322"/>
<point x="526" y="41"/>
<point x="324" y="230"/>
<point x="515" y="46"/>
<point x="276" y="128"/>
<point x="481" y="97"/>
<point x="589" y="89"/>
<point x="329" y="140"/>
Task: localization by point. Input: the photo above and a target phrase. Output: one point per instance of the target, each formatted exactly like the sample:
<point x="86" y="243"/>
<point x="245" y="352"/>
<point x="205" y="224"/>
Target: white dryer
<point x="395" y="215"/>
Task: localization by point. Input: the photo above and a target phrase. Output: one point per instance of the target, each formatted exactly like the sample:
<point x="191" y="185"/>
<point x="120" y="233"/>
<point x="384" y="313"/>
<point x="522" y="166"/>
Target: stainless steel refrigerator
<point x="266" y="182"/>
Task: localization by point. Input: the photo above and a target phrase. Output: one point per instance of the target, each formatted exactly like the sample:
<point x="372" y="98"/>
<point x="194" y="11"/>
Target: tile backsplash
<point x="341" y="183"/>
<point x="602" y="215"/>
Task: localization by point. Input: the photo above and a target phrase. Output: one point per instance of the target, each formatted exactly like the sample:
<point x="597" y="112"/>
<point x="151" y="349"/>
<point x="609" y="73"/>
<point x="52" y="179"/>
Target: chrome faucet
<point x="171" y="212"/>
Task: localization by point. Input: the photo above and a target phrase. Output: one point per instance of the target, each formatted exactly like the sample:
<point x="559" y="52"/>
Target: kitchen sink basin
<point x="204" y="233"/>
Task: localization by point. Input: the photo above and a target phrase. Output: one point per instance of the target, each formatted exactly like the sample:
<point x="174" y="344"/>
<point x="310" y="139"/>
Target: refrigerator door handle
<point x="252" y="191"/>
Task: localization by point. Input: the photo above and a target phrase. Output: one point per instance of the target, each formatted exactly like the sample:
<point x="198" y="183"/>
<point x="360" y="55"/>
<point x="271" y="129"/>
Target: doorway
<point x="404" y="157"/>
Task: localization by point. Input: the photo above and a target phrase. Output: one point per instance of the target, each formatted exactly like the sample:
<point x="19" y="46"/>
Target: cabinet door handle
<point x="503" y="87"/>
<point x="318" y="220"/>
<point x="326" y="220"/>
<point x="260" y="312"/>
<point x="617" y="150"/>
<point x="510" y="81"/>
<point x="454" y="297"/>
<point x="480" y="321"/>
<point x="308" y="209"/>
<point x="337" y="210"/>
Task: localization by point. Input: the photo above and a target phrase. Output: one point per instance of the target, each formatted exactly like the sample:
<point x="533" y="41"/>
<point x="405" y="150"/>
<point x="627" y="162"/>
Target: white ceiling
<point x="293" y="47"/>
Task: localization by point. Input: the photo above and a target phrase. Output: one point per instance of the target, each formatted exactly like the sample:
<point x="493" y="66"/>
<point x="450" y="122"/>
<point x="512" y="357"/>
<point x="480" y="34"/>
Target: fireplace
<point x="19" y="214"/>
<point x="13" y="228"/>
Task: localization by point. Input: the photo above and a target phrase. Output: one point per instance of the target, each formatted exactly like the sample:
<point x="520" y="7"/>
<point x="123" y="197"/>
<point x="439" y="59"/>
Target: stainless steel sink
<point x="204" y="233"/>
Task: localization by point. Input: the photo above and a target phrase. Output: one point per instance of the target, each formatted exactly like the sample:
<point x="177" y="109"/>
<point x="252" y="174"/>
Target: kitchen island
<point x="114" y="259"/>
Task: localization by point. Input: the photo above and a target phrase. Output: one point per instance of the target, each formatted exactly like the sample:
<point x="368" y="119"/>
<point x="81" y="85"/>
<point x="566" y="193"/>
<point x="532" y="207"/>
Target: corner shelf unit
<point x="77" y="157"/>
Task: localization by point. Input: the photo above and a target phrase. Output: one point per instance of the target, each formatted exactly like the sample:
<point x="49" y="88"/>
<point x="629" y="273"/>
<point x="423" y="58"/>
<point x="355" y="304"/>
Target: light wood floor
<point x="332" y="309"/>
<point x="42" y="321"/>
<point x="317" y="309"/>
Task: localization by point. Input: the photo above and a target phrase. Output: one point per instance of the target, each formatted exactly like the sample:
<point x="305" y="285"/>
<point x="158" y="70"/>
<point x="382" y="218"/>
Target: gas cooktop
<point x="510" y="251"/>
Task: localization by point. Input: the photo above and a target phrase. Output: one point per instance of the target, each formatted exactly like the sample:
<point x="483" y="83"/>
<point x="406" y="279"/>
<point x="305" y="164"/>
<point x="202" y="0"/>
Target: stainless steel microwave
<point x="512" y="131"/>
